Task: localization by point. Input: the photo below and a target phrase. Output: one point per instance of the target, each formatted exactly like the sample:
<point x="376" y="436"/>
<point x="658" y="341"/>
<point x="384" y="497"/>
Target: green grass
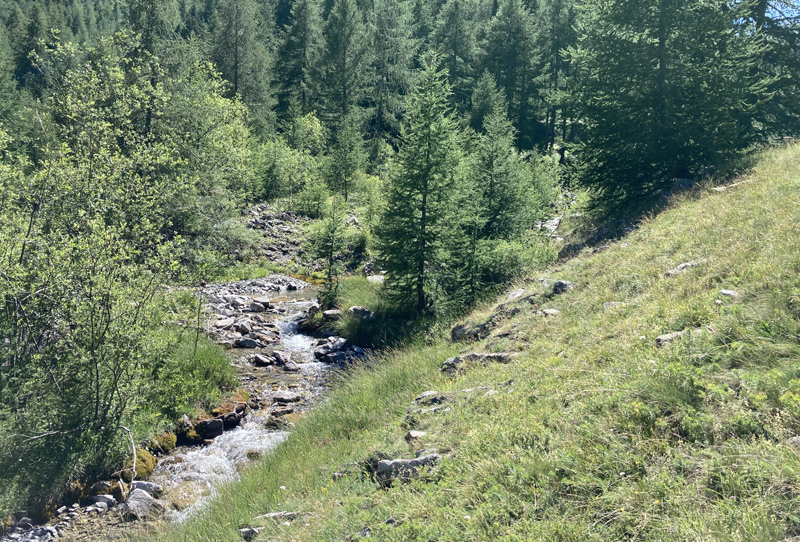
<point x="595" y="434"/>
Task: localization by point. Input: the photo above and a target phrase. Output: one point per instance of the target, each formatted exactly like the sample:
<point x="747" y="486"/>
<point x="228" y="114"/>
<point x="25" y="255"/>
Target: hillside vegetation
<point x="595" y="432"/>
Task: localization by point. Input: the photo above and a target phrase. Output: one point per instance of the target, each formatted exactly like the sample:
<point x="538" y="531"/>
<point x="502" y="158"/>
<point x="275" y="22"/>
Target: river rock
<point x="257" y="307"/>
<point x="281" y="357"/>
<point x="284" y="397"/>
<point x="141" y="505"/>
<point x="243" y="326"/>
<point x="404" y="469"/>
<point x="238" y="300"/>
<point x="209" y="429"/>
<point x="291" y="367"/>
<point x="230" y="420"/>
<point x="330" y="346"/>
<point x="247" y="342"/>
<point x="153" y="489"/>
<point x="263" y="301"/>
<point x="260" y="360"/>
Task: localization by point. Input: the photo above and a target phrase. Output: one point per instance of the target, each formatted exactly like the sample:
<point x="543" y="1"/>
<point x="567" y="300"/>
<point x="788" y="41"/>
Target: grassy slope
<point x="601" y="435"/>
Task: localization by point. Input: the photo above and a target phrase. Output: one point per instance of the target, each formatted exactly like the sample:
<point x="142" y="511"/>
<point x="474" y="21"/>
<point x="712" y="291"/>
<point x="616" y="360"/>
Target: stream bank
<point x="281" y="372"/>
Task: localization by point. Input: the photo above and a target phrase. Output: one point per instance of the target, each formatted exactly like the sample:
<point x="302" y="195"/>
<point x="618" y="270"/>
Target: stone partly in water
<point x="141" y="505"/>
<point x="209" y="429"/>
<point x="286" y="397"/>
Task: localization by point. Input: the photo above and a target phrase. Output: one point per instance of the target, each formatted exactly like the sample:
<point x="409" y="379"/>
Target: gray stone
<point x="247" y="343"/>
<point x="415" y="435"/>
<point x="260" y="360"/>
<point x="669" y="338"/>
<point x="243" y="326"/>
<point x="794" y="441"/>
<point x="335" y="358"/>
<point x="46" y="532"/>
<point x="361" y="312"/>
<point x="551" y="312"/>
<point x="281" y="357"/>
<point x="453" y="365"/>
<point x="513" y="296"/>
<point x="729" y="293"/>
<point x="430" y="398"/>
<point x="257" y="307"/>
<point x="140" y="505"/>
<point x="291" y="367"/>
<point x="376" y="279"/>
<point x="562" y="286"/>
<point x="153" y="489"/>
<point x="404" y="469"/>
<point x="284" y="397"/>
<point x="62" y="510"/>
<point x="237" y="300"/>
<point x="107" y="499"/>
<point x="102" y="506"/>
<point x="675" y="271"/>
<point x="331" y="315"/>
<point x="263" y="301"/>
<point x="209" y="429"/>
<point x="332" y="345"/>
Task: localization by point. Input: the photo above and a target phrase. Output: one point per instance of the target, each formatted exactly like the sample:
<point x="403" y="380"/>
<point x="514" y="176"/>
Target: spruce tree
<point x="242" y="52"/>
<point x="394" y="48"/>
<point x="342" y="67"/>
<point x="347" y="156"/>
<point x="421" y="192"/>
<point x="644" y="120"/>
<point x="486" y="99"/>
<point x="8" y="87"/>
<point x="510" y="55"/>
<point x="298" y="51"/>
<point x="156" y="21"/>
<point x="455" y="38"/>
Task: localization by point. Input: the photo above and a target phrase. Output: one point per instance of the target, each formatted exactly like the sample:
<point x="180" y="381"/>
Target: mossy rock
<point x="189" y="437"/>
<point x="119" y="490"/>
<point x="145" y="464"/>
<point x="163" y="443"/>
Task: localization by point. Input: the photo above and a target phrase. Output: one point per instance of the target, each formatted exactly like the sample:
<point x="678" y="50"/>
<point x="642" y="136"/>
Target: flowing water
<point x="191" y="476"/>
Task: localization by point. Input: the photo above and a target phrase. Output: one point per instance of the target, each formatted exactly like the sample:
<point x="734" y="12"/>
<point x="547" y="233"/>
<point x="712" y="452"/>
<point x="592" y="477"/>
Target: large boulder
<point x="141" y="505"/>
<point x="330" y="346"/>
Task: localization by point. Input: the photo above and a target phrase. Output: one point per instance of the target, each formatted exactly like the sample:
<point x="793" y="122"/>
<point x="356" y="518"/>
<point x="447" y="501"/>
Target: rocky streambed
<point x="283" y="372"/>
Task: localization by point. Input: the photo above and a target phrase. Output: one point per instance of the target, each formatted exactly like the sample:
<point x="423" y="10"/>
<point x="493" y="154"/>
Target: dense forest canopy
<point x="134" y="132"/>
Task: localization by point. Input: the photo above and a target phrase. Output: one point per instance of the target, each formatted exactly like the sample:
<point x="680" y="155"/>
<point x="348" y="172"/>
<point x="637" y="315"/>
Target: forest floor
<point x="653" y="394"/>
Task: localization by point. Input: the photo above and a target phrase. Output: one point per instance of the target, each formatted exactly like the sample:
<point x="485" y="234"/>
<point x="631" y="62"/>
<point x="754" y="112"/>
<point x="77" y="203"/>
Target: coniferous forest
<point x="426" y="140"/>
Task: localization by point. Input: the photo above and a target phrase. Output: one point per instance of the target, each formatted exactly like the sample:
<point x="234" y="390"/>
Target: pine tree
<point x="342" y="67"/>
<point x="640" y="67"/>
<point x="455" y="38"/>
<point x="298" y="51"/>
<point x="242" y="52"/>
<point x="393" y="49"/>
<point x="421" y="192"/>
<point x="8" y="86"/>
